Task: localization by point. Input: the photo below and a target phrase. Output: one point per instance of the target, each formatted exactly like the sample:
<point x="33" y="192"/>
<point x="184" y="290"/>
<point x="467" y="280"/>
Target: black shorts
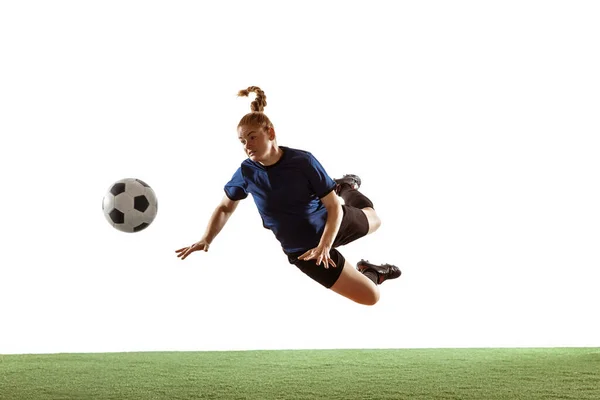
<point x="354" y="226"/>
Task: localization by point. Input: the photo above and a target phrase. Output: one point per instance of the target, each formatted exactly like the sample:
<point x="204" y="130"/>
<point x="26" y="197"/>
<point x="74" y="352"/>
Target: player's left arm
<point x="332" y="226"/>
<point x="334" y="218"/>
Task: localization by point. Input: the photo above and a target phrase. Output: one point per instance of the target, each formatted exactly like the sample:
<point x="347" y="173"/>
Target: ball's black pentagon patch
<point x="117" y="188"/>
<point x="142" y="182"/>
<point x="140" y="227"/>
<point x="140" y="203"/>
<point x="117" y="216"/>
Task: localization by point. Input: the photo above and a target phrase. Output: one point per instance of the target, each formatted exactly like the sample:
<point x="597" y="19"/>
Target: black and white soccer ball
<point x="130" y="205"/>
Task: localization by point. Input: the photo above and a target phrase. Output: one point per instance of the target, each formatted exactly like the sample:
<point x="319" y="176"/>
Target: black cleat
<point x="352" y="180"/>
<point x="384" y="271"/>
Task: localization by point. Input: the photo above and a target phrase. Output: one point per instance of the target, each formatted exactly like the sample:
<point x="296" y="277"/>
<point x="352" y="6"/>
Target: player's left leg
<point x="356" y="283"/>
<point x="361" y="285"/>
<point x="355" y="286"/>
<point x="360" y="219"/>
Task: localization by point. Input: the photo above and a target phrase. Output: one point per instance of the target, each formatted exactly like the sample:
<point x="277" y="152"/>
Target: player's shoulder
<point x="297" y="154"/>
<point x="245" y="169"/>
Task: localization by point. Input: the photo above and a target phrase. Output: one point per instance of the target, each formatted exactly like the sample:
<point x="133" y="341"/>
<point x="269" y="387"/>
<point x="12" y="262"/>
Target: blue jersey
<point x="287" y="195"/>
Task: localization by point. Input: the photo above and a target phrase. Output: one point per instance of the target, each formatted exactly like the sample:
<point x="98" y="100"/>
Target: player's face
<point x="256" y="140"/>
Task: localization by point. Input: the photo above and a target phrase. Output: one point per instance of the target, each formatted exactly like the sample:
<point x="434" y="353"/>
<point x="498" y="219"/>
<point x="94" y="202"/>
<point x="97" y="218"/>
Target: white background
<point x="474" y="126"/>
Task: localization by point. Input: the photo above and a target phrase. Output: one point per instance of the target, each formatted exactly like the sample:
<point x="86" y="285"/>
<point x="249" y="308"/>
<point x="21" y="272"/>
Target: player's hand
<point x="319" y="253"/>
<point x="186" y="251"/>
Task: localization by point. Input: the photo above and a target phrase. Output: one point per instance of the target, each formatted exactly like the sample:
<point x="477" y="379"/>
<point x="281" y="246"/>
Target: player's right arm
<point x="217" y="221"/>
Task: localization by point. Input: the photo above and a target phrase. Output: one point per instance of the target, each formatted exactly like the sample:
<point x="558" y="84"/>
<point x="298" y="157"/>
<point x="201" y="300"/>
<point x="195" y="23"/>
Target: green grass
<point x="553" y="373"/>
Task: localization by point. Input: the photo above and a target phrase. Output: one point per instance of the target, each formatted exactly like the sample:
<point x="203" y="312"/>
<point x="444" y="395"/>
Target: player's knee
<point x="371" y="298"/>
<point x="374" y="220"/>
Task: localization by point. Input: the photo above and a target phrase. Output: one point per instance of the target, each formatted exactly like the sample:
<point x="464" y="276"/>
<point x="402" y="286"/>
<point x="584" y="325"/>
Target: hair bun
<point x="259" y="104"/>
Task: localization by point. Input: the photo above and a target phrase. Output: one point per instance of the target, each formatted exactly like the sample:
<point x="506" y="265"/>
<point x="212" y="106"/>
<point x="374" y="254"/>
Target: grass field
<point x="553" y="373"/>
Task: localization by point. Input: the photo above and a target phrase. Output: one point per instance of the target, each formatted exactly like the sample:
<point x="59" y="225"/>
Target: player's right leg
<point x="347" y="189"/>
<point x="373" y="218"/>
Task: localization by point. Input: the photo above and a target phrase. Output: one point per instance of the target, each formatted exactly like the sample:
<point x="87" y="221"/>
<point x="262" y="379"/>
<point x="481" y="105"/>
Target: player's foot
<point x="352" y="180"/>
<point x="384" y="271"/>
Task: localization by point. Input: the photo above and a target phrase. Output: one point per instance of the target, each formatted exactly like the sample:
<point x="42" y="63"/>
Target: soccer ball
<point x="130" y="205"/>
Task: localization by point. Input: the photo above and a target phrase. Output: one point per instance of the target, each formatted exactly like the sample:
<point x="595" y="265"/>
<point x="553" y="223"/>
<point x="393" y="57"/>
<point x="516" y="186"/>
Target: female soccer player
<point x="299" y="203"/>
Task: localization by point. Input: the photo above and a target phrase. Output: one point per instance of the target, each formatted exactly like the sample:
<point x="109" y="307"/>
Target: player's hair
<point x="256" y="116"/>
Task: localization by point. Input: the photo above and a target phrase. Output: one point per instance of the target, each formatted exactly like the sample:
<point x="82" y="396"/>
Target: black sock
<point x="372" y="275"/>
<point x="353" y="197"/>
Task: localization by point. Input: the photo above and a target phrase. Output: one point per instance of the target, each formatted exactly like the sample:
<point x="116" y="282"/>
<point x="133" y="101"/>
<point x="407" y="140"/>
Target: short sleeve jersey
<point x="287" y="195"/>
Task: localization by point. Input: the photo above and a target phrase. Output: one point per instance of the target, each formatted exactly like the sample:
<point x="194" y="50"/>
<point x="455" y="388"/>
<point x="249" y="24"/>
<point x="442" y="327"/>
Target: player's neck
<point x="274" y="156"/>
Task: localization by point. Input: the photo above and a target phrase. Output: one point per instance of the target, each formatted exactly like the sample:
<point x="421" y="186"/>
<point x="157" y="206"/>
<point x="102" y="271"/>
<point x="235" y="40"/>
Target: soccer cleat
<point x="384" y="271"/>
<point x="352" y="180"/>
